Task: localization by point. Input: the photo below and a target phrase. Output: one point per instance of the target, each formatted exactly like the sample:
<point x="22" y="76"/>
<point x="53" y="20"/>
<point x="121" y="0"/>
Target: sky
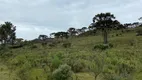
<point x="35" y="17"/>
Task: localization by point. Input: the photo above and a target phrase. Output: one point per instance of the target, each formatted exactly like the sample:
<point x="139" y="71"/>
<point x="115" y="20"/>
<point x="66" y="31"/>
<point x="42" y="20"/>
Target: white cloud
<point x="34" y="17"/>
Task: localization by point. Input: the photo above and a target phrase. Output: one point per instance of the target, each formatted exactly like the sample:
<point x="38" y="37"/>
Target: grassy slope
<point x="81" y="49"/>
<point x="7" y="74"/>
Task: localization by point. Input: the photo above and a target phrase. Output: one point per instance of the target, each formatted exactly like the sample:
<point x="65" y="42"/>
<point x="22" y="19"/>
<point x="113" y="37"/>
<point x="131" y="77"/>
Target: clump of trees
<point x="7" y="33"/>
<point x="60" y="35"/>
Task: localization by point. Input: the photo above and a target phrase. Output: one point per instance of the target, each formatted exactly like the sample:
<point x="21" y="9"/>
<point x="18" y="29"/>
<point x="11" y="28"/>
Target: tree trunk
<point x="96" y="76"/>
<point x="105" y="37"/>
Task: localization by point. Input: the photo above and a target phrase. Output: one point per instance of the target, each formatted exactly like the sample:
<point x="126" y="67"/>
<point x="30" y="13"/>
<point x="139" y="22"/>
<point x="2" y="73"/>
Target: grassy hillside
<point x="35" y="61"/>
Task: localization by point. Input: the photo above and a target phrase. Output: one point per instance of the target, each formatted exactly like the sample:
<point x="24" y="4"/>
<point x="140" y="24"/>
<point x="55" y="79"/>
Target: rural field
<point x="39" y="61"/>
<point x="70" y="40"/>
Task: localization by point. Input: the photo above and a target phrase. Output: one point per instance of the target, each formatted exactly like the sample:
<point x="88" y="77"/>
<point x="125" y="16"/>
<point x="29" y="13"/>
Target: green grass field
<point x="37" y="63"/>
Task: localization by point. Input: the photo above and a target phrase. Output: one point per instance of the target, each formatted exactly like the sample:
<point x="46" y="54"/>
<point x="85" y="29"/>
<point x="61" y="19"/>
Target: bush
<point x="117" y="34"/>
<point x="131" y="42"/>
<point x="139" y="31"/>
<point x="120" y="34"/>
<point x="2" y="47"/>
<point x="44" y="43"/>
<point x="103" y="46"/>
<point x="33" y="46"/>
<point x="52" y="44"/>
<point x="15" y="46"/>
<point x="66" y="45"/>
<point x="62" y="73"/>
<point x="78" y="66"/>
<point x="55" y="62"/>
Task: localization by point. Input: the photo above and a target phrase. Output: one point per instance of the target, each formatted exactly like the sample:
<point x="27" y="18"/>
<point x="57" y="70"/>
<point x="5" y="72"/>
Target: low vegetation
<point x="77" y="54"/>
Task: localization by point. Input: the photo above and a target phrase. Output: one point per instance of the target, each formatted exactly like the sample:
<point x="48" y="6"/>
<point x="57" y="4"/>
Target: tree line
<point x="103" y="22"/>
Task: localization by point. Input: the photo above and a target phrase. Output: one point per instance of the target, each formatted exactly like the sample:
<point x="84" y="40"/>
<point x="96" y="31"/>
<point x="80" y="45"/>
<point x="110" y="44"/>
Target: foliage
<point x="63" y="73"/>
<point x="88" y="33"/>
<point x="16" y="46"/>
<point x="44" y="43"/>
<point x="56" y="62"/>
<point x="72" y="31"/>
<point x="105" y="22"/>
<point x="103" y="46"/>
<point x="97" y="64"/>
<point x="34" y="46"/>
<point x="67" y="45"/>
<point x="7" y="33"/>
<point x="61" y="35"/>
<point x="78" y="65"/>
<point x="120" y="60"/>
<point x="139" y="31"/>
<point x="53" y="44"/>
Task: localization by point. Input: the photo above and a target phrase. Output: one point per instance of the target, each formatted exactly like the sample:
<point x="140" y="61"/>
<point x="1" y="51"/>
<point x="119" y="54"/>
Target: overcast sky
<point x="34" y="17"/>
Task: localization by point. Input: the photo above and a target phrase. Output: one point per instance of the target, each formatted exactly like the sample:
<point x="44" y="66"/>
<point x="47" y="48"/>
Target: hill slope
<point x="37" y="61"/>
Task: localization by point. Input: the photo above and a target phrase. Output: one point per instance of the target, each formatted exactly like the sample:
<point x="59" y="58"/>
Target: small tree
<point x="105" y="22"/>
<point x="72" y="31"/>
<point x="97" y="65"/>
<point x="63" y="73"/>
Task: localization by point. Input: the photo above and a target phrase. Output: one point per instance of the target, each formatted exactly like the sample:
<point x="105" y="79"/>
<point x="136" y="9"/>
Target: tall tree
<point x="104" y="22"/>
<point x="7" y="33"/>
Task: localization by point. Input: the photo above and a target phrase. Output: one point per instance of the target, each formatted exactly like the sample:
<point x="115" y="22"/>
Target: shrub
<point x="62" y="73"/>
<point x="15" y="46"/>
<point x="120" y="34"/>
<point x="33" y="46"/>
<point x="29" y="43"/>
<point x="55" y="62"/>
<point x="66" y="45"/>
<point x="2" y="47"/>
<point x="110" y="45"/>
<point x="139" y="31"/>
<point x="78" y="66"/>
<point x="103" y="46"/>
<point x="117" y="34"/>
<point x="131" y="42"/>
<point x="52" y="44"/>
<point x="44" y="43"/>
